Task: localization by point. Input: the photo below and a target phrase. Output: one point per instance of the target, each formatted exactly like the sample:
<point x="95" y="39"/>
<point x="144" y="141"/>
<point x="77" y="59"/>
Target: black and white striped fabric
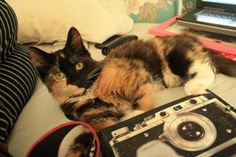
<point x="17" y="74"/>
<point x="8" y="29"/>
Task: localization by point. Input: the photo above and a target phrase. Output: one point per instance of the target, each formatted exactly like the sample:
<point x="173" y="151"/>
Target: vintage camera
<point x="203" y="125"/>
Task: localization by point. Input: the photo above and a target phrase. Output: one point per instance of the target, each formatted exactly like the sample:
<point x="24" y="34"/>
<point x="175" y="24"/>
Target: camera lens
<point x="190" y="131"/>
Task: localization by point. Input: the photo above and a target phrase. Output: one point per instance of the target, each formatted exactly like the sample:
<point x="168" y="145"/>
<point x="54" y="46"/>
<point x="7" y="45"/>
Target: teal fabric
<point x="158" y="11"/>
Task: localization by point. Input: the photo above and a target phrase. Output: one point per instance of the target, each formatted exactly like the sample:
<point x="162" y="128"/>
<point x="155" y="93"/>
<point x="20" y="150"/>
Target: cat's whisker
<point x="95" y="72"/>
<point x="93" y="76"/>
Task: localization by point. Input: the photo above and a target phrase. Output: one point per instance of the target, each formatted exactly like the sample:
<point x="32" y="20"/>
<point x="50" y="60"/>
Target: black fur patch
<point x="142" y="51"/>
<point x="178" y="63"/>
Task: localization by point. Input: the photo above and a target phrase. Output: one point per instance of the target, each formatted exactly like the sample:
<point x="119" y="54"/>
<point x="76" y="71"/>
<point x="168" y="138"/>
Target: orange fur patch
<point x="132" y="82"/>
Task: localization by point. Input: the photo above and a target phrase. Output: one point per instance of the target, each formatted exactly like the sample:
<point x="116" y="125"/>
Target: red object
<point x="213" y="44"/>
<point x="48" y="139"/>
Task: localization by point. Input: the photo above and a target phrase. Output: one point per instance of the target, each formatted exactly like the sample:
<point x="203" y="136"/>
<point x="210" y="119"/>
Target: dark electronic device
<point x="100" y="46"/>
<point x="115" y="41"/>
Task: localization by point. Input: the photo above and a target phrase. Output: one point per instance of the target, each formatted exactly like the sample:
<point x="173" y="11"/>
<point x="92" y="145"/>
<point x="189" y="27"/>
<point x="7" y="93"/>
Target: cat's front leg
<point x="145" y="97"/>
<point x="170" y="79"/>
<point x="71" y="105"/>
<point x="80" y="100"/>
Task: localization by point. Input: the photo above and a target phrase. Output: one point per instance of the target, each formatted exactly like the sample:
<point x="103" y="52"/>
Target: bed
<point x="42" y="112"/>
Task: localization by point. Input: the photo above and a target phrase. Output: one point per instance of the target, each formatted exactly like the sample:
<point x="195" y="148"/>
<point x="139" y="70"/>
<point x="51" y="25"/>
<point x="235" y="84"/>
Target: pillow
<point x="47" y="21"/>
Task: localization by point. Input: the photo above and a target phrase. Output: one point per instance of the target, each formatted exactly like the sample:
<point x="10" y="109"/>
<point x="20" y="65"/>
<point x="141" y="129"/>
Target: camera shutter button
<point x="163" y="114"/>
<point x="193" y="101"/>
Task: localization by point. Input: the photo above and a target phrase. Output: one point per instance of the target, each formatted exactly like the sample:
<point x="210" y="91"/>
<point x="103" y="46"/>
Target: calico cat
<point x="102" y="92"/>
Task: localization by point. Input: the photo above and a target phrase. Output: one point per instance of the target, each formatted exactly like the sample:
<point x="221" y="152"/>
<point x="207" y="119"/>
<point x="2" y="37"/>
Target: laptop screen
<point x="220" y="18"/>
<point x="227" y="5"/>
<point x="230" y="2"/>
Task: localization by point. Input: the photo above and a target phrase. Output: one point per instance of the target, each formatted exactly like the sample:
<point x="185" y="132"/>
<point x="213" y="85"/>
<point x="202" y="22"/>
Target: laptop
<point x="217" y="16"/>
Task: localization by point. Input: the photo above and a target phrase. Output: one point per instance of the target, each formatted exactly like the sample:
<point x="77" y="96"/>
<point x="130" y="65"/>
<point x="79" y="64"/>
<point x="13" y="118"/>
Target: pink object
<point x="213" y="44"/>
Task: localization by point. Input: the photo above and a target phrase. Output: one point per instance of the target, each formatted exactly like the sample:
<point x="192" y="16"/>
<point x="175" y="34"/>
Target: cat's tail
<point x="223" y="65"/>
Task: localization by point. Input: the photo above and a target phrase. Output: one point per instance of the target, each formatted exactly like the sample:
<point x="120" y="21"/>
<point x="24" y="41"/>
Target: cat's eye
<point x="59" y="76"/>
<point x="79" y="66"/>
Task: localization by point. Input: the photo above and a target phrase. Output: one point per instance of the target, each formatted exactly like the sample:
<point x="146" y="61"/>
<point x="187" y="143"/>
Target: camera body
<point x="202" y="125"/>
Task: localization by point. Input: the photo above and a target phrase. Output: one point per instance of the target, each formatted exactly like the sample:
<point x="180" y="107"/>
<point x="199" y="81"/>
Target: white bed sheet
<point x="42" y="113"/>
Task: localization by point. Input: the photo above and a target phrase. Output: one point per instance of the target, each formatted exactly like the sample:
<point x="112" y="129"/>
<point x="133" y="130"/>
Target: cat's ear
<point x="39" y="58"/>
<point x="74" y="41"/>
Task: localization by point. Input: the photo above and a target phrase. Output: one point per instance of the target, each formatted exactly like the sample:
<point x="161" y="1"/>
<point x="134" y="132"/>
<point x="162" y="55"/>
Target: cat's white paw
<point x="195" y="89"/>
<point x="81" y="100"/>
<point x="204" y="78"/>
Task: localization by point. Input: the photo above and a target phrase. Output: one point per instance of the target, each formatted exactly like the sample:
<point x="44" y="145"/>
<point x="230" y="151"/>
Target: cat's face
<point x="66" y="72"/>
<point x="75" y="61"/>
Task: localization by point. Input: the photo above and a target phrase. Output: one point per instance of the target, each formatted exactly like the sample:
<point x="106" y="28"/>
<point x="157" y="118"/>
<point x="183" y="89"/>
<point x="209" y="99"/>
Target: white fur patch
<point x="205" y="76"/>
<point x="81" y="100"/>
<point x="132" y="114"/>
